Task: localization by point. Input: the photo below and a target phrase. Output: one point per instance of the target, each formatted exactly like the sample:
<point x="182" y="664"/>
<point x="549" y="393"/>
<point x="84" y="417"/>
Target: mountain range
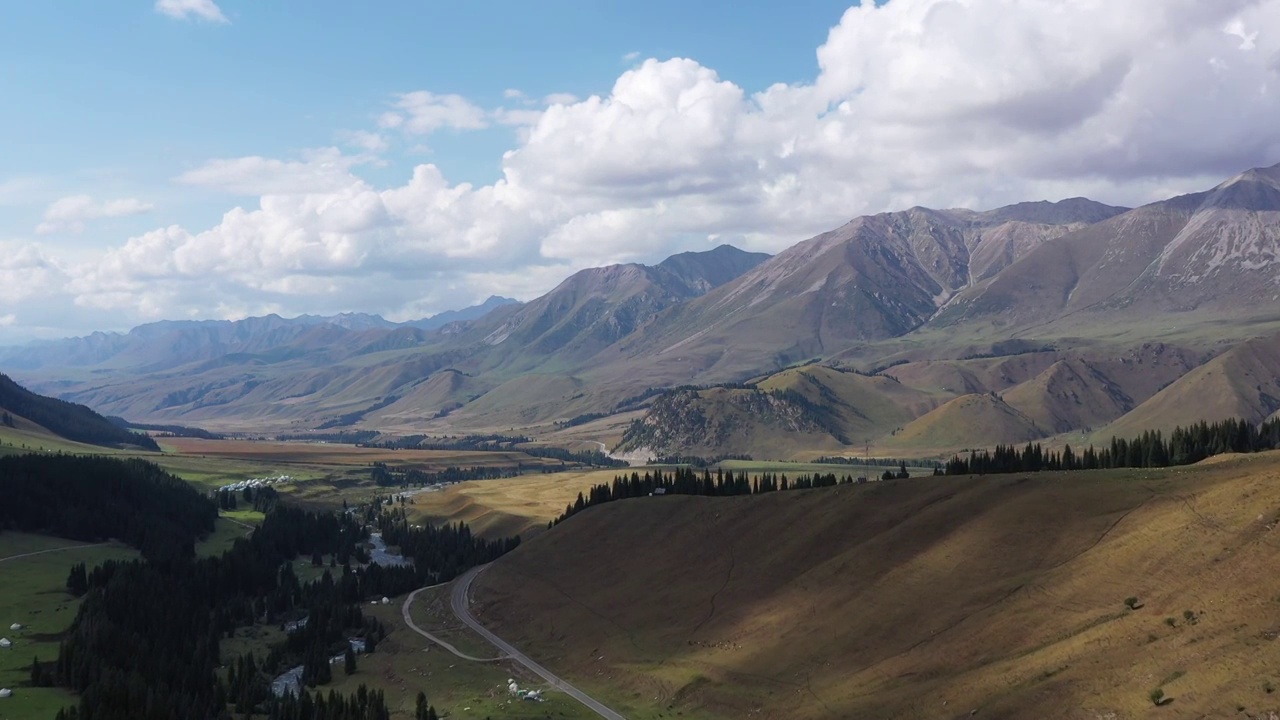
<point x="914" y="331"/>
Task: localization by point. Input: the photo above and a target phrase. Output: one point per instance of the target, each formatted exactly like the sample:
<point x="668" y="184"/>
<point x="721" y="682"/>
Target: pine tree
<point x="422" y="710"/>
<point x="349" y="661"/>
<point x="78" y="580"/>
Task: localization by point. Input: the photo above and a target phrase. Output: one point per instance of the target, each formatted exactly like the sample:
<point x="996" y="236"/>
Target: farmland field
<point x="281" y="453"/>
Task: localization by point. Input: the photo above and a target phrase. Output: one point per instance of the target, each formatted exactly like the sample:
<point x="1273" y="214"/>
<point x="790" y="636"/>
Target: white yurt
<point x="386" y="601"/>
<point x="15" y="627"/>
<point x="4" y="643"/>
<point x="5" y="692"/>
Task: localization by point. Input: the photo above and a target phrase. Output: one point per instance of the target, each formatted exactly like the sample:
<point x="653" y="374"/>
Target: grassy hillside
<point x="863" y="407"/>
<point x="921" y="598"/>
<point x="35" y="596"/>
<point x="1242" y="382"/>
<point x="67" y="420"/>
<point x="1071" y="394"/>
<point x="510" y="506"/>
<point x="921" y="407"/>
<point x="968" y="421"/>
<point x="24" y="435"/>
<point x="719" y="420"/>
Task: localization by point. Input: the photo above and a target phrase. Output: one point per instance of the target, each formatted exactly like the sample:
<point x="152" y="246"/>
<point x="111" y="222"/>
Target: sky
<point x="215" y="159"/>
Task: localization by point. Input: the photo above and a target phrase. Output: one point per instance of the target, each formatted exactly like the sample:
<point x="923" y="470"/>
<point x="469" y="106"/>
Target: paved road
<point x="404" y="611"/>
<point x="461" y="602"/>
<point x="41" y="552"/>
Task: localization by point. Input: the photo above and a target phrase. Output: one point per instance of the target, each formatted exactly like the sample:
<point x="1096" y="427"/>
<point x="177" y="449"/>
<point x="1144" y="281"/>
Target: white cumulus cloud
<point x="27" y="272"/>
<point x="191" y="9"/>
<point x="560" y="99"/>
<point x="319" y="170"/>
<point x="365" y="140"/>
<point x="422" y="113"/>
<point x="69" y="214"/>
<point x="941" y="103"/>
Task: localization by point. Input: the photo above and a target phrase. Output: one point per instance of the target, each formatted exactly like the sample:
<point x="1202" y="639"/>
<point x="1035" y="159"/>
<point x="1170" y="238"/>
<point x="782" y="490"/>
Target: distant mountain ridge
<point x="169" y="343"/>
<point x="474" y="312"/>
<point x="1215" y="250"/>
<point x="876" y="277"/>
<point x="1073" y="313"/>
<point x="595" y="308"/>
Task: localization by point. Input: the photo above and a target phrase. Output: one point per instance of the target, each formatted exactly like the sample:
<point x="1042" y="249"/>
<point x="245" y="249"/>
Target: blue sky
<point x="116" y="97"/>
<point x="221" y="158"/>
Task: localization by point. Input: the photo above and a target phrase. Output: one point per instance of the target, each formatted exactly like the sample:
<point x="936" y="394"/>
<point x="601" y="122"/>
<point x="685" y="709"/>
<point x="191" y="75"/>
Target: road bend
<point x="460" y="600"/>
<point x="408" y="620"/>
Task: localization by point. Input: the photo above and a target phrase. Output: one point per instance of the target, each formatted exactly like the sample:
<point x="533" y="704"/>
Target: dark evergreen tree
<point x="97" y="498"/>
<point x="78" y="580"/>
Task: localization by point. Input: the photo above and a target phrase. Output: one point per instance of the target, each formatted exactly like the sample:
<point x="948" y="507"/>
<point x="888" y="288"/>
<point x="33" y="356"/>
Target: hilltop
<point x="920" y="598"/>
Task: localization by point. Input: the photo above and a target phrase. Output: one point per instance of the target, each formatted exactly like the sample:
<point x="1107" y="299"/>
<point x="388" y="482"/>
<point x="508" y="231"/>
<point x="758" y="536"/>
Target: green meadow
<point x="34" y="596"/>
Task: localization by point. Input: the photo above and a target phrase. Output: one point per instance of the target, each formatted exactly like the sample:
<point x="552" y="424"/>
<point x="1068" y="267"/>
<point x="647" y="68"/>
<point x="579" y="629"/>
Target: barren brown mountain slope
<point x="1243" y="382"/>
<point x="876" y="277"/>
<point x="977" y="375"/>
<point x="1000" y="597"/>
<point x="1213" y="252"/>
<point x="1071" y="394"/>
<point x="1039" y="394"/>
<point x="789" y="414"/>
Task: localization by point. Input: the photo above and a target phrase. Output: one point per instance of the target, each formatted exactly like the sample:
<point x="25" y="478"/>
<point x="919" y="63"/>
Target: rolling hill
<point x="800" y="411"/>
<point x="62" y="419"/>
<point x="969" y="421"/>
<point x="1070" y="395"/>
<point x="987" y="597"/>
<point x="1243" y="382"/>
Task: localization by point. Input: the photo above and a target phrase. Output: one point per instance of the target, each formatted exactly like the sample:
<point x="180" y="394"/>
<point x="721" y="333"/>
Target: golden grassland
<point x="524" y="505"/>
<point x="508" y="506"/>
<point x="924" y="598"/>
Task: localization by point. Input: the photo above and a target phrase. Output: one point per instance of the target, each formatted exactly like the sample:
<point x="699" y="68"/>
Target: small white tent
<point x="5" y="692"/>
<point x="15" y="627"/>
<point x="386" y="601"/>
<point x="4" y="643"/>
